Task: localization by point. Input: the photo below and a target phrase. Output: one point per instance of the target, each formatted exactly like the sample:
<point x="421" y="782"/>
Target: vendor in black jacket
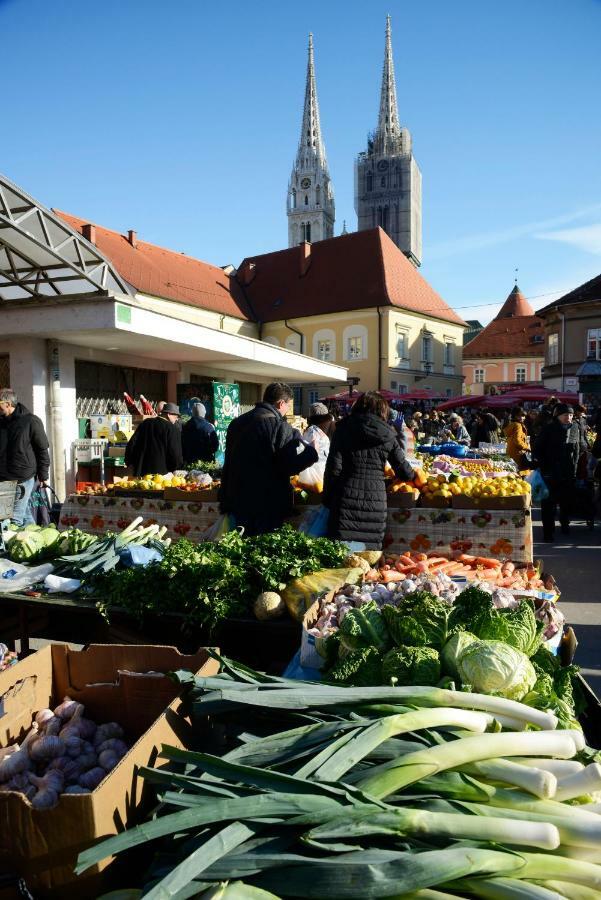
<point x="23" y="452"/>
<point x="262" y="452"/>
<point x="354" y="486"/>
<point x="556" y="450"/>
<point x="156" y="445"/>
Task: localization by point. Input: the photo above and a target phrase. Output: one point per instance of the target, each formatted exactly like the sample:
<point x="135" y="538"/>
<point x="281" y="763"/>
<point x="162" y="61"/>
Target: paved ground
<point x="575" y="562"/>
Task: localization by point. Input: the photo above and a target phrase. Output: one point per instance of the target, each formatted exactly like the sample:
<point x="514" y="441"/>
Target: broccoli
<point x="420" y="620"/>
<point x="361" y="668"/>
<point x="411" y="665"/>
<point x="364" y="627"/>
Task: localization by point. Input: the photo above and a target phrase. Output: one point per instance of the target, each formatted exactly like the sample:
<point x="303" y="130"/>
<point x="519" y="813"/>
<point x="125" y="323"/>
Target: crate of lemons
<point x="466" y="491"/>
<point x="148" y="483"/>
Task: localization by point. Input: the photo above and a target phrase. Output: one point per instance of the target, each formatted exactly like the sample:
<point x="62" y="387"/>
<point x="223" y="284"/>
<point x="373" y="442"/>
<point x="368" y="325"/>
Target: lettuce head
<point x="420" y="620"/>
<point x="493" y="667"/>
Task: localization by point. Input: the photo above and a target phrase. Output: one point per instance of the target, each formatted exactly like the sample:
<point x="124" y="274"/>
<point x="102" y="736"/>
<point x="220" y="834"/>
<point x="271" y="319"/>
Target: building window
<point x="293" y="199"/>
<point x="306" y="200"/>
<point x="402" y="389"/>
<point x="427" y="348"/>
<point x="382" y="182"/>
<point x="401" y="343"/>
<point x="479" y="376"/>
<point x="313" y="397"/>
<point x="520" y="374"/>
<point x="448" y="354"/>
<point x="553" y="349"/>
<point x="324" y="350"/>
<point x="393" y="385"/>
<point x="355" y="348"/>
<point x="370" y="182"/>
<point x="594" y="343"/>
<point x="449" y="392"/>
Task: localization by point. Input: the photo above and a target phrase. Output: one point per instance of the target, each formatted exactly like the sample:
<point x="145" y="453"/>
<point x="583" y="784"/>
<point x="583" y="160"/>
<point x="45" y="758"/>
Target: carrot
<point x="372" y="575"/>
<point x="420" y="557"/>
<point x="488" y="562"/>
<point x="406" y="559"/>
<point x="392" y="575"/>
<point x="463" y="557"/>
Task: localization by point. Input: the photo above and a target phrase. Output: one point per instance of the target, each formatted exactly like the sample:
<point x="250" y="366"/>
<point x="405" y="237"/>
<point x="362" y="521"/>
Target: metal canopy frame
<point x="41" y="256"/>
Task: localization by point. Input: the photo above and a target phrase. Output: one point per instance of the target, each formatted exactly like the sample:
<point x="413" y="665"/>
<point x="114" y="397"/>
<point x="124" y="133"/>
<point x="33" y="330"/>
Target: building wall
<point x="578" y="320"/>
<point x="499" y="371"/>
<point x="408" y="372"/>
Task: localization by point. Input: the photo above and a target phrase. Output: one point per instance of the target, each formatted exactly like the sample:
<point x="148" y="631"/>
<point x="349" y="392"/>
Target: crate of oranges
<point x="402" y="494"/>
<point x="438" y="491"/>
<point x="506" y="492"/>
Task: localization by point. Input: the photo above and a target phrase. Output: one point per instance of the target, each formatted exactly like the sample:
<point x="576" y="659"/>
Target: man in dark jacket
<point x="156" y="446"/>
<point x="556" y="451"/>
<point x="199" y="438"/>
<point x="262" y="452"/>
<point x="23" y="452"/>
<point x="354" y="485"/>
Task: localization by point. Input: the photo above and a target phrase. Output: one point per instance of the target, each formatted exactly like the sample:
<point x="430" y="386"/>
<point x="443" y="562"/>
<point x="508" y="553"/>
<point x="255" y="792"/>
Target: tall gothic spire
<point x="388" y="132"/>
<point x="311" y="148"/>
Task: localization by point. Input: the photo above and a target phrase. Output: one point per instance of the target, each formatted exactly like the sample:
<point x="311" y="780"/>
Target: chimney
<point x="305" y="260"/>
<point x="89" y="232"/>
<point x="131" y="237"/>
<point x="246" y="273"/>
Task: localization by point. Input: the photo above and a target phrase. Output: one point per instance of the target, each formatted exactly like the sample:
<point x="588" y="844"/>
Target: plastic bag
<point x="540" y="491"/>
<point x="301" y="593"/>
<point x="316" y="521"/>
<point x="226" y="522"/>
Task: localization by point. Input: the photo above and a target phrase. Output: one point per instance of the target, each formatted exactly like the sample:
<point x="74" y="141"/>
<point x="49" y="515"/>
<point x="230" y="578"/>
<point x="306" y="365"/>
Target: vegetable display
<point x="213" y="581"/>
<point x="62" y="753"/>
<point x="388" y="634"/>
<point x="334" y="792"/>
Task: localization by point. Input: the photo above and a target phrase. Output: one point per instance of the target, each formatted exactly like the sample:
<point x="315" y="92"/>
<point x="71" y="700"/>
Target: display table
<point x="481" y="532"/>
<point x="107" y="512"/>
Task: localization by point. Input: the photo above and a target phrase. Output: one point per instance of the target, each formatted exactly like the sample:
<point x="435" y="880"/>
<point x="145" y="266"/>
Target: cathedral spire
<point x="388" y="133"/>
<point x="310" y="205"/>
<point x="311" y="148"/>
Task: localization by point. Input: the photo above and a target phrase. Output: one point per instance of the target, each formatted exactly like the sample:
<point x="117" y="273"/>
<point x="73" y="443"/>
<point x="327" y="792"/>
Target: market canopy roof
<point x="41" y="256"/>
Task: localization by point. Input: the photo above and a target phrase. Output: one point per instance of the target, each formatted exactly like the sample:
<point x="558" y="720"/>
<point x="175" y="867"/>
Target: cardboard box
<point x="434" y="502"/>
<point x="462" y="501"/>
<point x="121" y="683"/>
<point x="309" y="657"/>
<point x="402" y="499"/>
<point x="209" y="495"/>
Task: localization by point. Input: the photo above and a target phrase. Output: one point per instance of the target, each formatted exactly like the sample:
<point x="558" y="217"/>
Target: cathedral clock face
<point x="306" y="183"/>
<point x="382" y="165"/>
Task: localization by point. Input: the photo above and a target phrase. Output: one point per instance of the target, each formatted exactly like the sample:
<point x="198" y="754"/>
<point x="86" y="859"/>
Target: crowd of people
<point x="345" y="455"/>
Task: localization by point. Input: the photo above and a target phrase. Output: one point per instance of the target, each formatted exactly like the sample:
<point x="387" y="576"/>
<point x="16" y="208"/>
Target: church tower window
<point x="293" y="199"/>
<point x="370" y="182"/>
<point x="306" y="200"/>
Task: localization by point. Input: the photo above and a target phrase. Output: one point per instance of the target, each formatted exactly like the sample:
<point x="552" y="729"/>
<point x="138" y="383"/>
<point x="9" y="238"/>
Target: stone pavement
<point x="575" y="562"/>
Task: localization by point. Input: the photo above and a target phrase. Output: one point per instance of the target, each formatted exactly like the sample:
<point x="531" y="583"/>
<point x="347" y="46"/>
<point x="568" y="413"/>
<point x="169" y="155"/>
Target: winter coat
<point x="517" y="441"/>
<point x="354" y="486"/>
<point x="486" y="431"/>
<point x="23" y="446"/>
<point x="582" y="431"/>
<point x="155" y="448"/>
<point x="262" y="452"/>
<point x="556" y="451"/>
<point x="199" y="440"/>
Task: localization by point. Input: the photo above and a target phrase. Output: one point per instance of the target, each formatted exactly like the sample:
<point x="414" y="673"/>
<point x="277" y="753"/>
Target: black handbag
<point x="45" y="505"/>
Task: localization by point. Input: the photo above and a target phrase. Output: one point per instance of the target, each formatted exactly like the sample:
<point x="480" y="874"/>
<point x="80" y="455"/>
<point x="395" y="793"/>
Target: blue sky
<point x="181" y="120"/>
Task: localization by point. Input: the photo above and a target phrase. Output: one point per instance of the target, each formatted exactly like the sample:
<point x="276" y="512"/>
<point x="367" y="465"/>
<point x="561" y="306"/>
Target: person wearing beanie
<point x="321" y="417"/>
<point x="556" y="451"/>
<point x="199" y="438"/>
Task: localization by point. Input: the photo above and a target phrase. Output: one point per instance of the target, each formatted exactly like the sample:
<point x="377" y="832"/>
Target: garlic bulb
<point x="19" y="761"/>
<point x="115" y="744"/>
<point x="8" y="751"/>
<point x="46" y="747"/>
<point x="68" y="708"/>
<point x="77" y="726"/>
<point x="49" y="787"/>
<point x="108" y="759"/>
<point x="92" y="778"/>
<point x="43" y="716"/>
<point x="74" y="746"/>
<point x="107" y="731"/>
<point x="87" y="761"/>
<point x="21" y="784"/>
<point x="71" y="768"/>
<point x="76" y="789"/>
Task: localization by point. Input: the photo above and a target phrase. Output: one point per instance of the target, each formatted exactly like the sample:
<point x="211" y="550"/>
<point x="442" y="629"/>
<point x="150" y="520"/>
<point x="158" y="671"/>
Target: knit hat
<point x="561" y="409"/>
<point x="318" y="409"/>
<point x="198" y="410"/>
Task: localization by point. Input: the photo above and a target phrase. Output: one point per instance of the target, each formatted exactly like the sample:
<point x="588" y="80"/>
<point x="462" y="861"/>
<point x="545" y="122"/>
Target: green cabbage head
<point x="453" y="650"/>
<point x="493" y="667"/>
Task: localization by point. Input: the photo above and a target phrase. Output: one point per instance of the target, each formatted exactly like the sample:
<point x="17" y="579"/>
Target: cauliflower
<point x="268" y="605"/>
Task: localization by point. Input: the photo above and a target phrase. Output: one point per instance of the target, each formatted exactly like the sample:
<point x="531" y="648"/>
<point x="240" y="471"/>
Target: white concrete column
<point x="29" y="373"/>
<point x="505" y="372"/>
<point x="70" y="432"/>
<point x="532" y="371"/>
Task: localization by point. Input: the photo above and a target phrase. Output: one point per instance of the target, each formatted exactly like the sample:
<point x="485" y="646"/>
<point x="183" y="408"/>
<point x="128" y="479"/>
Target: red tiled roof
<point x="353" y="271"/>
<point x="515" y="305"/>
<point x="164" y="273"/>
<point x="507" y="337"/>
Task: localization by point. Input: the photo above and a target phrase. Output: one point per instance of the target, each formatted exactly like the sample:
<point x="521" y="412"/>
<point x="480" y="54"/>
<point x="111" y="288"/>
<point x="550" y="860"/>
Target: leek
<point x="391" y="777"/>
<point x="539" y="782"/>
<point x="508" y="889"/>
<point x="580" y="783"/>
<point x="558" y="767"/>
<point x="572" y="891"/>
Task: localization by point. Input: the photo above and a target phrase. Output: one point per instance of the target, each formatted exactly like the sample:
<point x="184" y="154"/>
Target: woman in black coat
<point x="354" y="486"/>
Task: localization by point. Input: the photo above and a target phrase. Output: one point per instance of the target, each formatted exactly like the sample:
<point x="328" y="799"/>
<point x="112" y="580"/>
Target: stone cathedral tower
<point x="310" y="195"/>
<point x="388" y="182"/>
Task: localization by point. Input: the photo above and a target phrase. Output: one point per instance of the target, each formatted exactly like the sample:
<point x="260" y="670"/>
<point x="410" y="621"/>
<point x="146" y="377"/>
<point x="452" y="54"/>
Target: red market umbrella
<point x="514" y="398"/>
<point x="465" y="400"/>
<point x="345" y="397"/>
